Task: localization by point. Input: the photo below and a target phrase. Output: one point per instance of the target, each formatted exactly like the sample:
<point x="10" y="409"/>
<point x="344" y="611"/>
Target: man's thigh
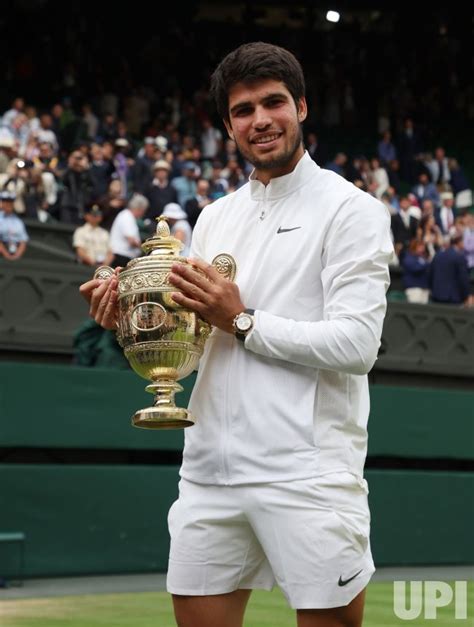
<point x="315" y="535"/>
<point x="213" y="548"/>
<point x="218" y="610"/>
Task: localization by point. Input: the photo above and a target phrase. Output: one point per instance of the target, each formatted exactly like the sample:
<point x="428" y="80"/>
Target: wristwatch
<point x="243" y="324"/>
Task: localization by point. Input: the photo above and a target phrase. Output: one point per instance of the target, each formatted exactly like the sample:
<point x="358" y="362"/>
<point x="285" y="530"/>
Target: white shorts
<point x="310" y="537"/>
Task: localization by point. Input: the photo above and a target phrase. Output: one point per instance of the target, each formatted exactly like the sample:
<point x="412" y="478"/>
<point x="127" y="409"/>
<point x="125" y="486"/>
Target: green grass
<point x="153" y="609"/>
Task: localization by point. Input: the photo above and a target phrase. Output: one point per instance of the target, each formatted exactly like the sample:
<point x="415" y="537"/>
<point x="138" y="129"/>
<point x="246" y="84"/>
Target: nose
<point x="261" y="118"/>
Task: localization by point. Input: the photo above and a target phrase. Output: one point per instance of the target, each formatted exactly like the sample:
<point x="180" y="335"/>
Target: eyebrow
<point x="249" y="103"/>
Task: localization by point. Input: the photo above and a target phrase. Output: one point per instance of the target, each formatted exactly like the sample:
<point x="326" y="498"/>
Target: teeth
<point x="266" y="139"/>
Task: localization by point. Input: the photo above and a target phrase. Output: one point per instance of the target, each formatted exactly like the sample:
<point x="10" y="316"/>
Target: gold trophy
<point x="162" y="340"/>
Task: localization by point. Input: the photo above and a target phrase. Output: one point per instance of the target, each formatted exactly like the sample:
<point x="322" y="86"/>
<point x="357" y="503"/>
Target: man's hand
<point x="102" y="296"/>
<point x="213" y="297"/>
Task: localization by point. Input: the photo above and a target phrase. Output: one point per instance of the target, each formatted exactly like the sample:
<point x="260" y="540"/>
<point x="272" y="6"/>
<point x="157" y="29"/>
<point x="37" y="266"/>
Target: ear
<point x="302" y="109"/>
<point x="228" y="127"/>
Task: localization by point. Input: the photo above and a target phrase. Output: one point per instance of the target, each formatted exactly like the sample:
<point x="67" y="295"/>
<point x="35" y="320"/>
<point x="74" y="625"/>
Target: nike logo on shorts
<point x="280" y="230"/>
<point x="344" y="582"/>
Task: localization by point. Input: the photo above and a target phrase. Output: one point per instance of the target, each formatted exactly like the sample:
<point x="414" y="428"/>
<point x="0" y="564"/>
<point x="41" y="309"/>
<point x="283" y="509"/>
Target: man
<point x="13" y="235"/>
<point x="445" y="215"/>
<point x="160" y="192"/>
<point x="449" y="275"/>
<point x="404" y="226"/>
<point x="90" y="241"/>
<point x="272" y="489"/>
<point x="125" y="240"/>
<point x="195" y="205"/>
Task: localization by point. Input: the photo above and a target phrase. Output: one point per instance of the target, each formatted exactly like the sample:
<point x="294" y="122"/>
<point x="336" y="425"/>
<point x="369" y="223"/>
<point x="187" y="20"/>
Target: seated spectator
<point x="218" y="185"/>
<point x="77" y="189"/>
<point x="185" y="185"/>
<point x="13" y="235"/>
<point x="415" y="266"/>
<point x="460" y="185"/>
<point x="160" y="192"/>
<point x="379" y="178"/>
<point x="179" y="226"/>
<point x="112" y="203"/>
<point x="404" y="227"/>
<point x="338" y="164"/>
<point x="142" y="170"/>
<point x="194" y="206"/>
<point x="386" y="150"/>
<point x="445" y="215"/>
<point x="429" y="233"/>
<point x="91" y="242"/>
<point x="468" y="237"/>
<point x="449" y="277"/>
<point x="426" y="190"/>
<point x="125" y="241"/>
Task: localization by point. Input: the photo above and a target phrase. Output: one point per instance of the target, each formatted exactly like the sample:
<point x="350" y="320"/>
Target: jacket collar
<point x="281" y="186"/>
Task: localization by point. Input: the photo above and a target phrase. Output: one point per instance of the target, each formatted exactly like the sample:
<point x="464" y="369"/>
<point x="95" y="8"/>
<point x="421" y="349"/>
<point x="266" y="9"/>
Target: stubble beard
<point x="276" y="162"/>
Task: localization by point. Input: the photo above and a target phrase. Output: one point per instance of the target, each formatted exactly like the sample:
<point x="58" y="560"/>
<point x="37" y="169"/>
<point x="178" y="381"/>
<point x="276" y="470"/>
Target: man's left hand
<point x="213" y="297"/>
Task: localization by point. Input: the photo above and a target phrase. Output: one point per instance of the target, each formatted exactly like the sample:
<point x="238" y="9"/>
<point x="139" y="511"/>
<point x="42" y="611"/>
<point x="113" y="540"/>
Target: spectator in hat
<point x="13" y="235"/>
<point x="160" y="192"/>
<point x="161" y="143"/>
<point x="125" y="238"/>
<point x="185" y="185"/>
<point x="91" y="242"/>
<point x="179" y="225"/>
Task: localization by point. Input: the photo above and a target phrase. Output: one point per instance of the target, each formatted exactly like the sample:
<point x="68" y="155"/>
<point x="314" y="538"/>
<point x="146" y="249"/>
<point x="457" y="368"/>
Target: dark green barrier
<point x="421" y="517"/>
<point x="69" y="407"/>
<point x="87" y="519"/>
<point x="113" y="519"/>
<point x="421" y="422"/>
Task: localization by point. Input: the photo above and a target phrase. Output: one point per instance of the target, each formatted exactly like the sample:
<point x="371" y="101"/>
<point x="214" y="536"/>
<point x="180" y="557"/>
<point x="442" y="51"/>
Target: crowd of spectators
<point x="117" y="138"/>
<point x="114" y="183"/>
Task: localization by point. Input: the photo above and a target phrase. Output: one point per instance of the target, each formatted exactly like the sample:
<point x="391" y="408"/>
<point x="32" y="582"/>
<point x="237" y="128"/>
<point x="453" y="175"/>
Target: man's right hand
<point x="101" y="294"/>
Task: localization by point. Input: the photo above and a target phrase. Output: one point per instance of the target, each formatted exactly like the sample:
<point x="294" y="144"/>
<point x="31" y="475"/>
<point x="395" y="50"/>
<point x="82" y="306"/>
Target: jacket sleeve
<point x="355" y="278"/>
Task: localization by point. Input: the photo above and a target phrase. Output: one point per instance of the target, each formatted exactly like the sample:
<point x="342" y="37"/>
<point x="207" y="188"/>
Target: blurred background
<point x="105" y="113"/>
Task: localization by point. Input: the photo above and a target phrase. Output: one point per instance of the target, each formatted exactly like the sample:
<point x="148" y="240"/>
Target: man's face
<point x="6" y="206"/>
<point x="265" y="124"/>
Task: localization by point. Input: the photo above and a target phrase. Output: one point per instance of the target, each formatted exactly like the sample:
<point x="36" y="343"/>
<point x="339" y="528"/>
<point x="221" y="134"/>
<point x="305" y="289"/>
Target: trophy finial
<point x="162" y="228"/>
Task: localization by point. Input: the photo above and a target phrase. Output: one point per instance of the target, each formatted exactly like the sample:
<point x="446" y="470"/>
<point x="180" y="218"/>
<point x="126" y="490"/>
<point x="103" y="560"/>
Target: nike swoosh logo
<point x="280" y="230"/>
<point x="344" y="582"/>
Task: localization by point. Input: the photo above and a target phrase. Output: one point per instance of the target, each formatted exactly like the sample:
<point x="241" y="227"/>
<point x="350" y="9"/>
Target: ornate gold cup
<point x="162" y="341"/>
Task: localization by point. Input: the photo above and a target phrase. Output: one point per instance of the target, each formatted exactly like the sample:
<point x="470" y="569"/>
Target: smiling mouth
<point x="265" y="139"/>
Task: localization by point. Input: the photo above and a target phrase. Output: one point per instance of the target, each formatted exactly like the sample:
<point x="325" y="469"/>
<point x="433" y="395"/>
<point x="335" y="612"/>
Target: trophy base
<point x="162" y="418"/>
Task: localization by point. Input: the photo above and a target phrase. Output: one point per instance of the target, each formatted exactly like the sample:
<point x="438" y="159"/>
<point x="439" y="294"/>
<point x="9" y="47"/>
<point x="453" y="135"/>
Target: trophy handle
<point x="103" y="272"/>
<point x="225" y="265"/>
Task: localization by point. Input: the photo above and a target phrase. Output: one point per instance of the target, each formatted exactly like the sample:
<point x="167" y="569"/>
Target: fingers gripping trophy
<point x="162" y="340"/>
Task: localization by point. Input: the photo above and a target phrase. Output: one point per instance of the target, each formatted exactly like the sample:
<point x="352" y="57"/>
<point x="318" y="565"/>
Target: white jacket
<point x="293" y="401"/>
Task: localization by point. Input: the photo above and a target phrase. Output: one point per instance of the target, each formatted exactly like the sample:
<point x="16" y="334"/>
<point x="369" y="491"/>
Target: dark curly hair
<point x="252" y="62"/>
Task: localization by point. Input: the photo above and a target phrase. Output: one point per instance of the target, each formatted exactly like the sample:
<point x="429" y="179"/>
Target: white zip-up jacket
<point x="292" y="402"/>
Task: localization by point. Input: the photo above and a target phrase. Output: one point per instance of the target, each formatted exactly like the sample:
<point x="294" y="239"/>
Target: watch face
<point x="244" y="323"/>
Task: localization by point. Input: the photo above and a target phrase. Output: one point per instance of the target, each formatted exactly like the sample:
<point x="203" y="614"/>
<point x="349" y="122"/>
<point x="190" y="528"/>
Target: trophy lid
<point x="162" y="243"/>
